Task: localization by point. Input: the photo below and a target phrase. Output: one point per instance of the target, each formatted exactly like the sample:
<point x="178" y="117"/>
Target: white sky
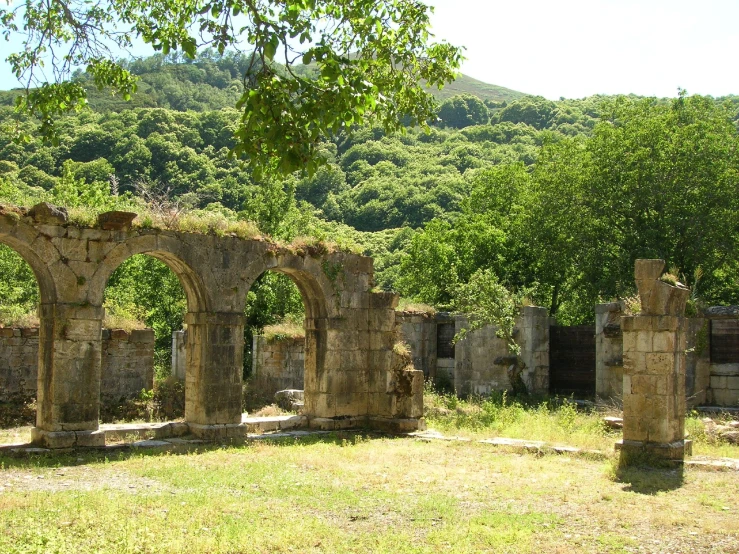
<point x="575" y="48"/>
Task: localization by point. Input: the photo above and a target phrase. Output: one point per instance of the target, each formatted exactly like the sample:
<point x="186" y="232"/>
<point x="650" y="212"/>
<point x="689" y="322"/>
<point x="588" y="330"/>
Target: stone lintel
<point x="669" y="451"/>
<point x="215" y="318"/>
<point x="216" y="432"/>
<point x="67" y="439"/>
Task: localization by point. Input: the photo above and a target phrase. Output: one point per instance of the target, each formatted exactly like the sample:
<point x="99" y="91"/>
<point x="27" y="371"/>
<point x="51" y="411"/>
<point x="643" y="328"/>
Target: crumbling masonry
<point x="353" y="376"/>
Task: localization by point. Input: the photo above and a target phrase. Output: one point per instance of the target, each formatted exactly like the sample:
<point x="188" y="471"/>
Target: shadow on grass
<point x="84" y="456"/>
<point x="645" y="474"/>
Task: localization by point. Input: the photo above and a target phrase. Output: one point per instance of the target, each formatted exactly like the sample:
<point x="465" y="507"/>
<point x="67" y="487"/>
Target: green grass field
<point x="349" y="493"/>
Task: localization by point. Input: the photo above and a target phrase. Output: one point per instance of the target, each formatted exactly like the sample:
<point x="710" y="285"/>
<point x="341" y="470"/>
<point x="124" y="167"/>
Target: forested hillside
<point x="557" y="198"/>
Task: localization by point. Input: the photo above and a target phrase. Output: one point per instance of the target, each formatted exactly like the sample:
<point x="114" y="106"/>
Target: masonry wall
<point x="706" y="382"/>
<point x="609" y="358"/>
<point x="723" y="344"/>
<point x="278" y="364"/>
<point x="482" y="359"/>
<point x="418" y="330"/>
<point x="127" y="363"/>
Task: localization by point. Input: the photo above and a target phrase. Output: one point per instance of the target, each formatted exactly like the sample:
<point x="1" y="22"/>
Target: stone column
<point x="68" y="398"/>
<point x="213" y="381"/>
<point x="609" y="371"/>
<point x="654" y="368"/>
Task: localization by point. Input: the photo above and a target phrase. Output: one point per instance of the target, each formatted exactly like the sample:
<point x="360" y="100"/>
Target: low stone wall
<point x="482" y="359"/>
<point x="127" y="363"/>
<point x="278" y="364"/>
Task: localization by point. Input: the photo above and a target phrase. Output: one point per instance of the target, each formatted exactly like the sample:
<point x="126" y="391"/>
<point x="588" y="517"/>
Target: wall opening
<point x="19" y="340"/>
<point x="145" y="304"/>
<point x="274" y="341"/>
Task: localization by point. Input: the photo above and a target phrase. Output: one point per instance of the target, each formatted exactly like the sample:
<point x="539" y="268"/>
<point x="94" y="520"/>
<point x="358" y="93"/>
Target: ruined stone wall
<point x="418" y="330"/>
<point x="609" y="357"/>
<point x="723" y="344"/>
<point x="127" y="363"/>
<point x="482" y="359"/>
<point x="278" y="364"/>
<point x="18" y="363"/>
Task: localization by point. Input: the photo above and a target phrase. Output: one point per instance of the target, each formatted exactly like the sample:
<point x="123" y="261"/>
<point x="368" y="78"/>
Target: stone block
<point x="635" y="429"/>
<point x="351" y="404"/>
<point x="644" y="341"/>
<point x="663" y="341"/>
<point x="143" y="335"/>
<point x="660" y="364"/>
<point x="635" y="363"/>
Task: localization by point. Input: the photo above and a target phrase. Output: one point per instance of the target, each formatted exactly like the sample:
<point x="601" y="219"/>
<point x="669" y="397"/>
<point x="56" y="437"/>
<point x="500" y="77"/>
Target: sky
<point x="576" y="48"/>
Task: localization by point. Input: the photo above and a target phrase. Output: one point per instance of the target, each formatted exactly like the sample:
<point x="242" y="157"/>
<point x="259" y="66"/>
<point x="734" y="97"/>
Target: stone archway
<point x="359" y="379"/>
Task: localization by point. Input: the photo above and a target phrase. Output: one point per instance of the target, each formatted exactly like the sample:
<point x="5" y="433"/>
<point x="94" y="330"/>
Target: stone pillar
<point x="215" y="353"/>
<point x="609" y="363"/>
<point x="533" y="337"/>
<point x="654" y="368"/>
<point x="179" y="354"/>
<point x="68" y="397"/>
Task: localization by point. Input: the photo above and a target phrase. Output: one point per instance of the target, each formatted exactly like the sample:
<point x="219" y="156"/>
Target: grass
<point x="555" y="421"/>
<point x="349" y="493"/>
<point x="285" y="330"/>
<point x="408" y="306"/>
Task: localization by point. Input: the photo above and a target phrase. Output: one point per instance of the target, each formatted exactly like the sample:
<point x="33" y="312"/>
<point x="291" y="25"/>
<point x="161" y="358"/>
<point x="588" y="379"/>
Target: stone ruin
<point x="654" y="367"/>
<point x="353" y="375"/>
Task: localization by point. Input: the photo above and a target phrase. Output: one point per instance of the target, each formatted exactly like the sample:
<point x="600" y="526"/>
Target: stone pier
<point x="654" y="368"/>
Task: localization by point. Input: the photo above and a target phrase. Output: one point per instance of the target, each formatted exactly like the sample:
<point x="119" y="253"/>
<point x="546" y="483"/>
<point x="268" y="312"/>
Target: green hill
<point x="214" y="82"/>
<point x="484" y="91"/>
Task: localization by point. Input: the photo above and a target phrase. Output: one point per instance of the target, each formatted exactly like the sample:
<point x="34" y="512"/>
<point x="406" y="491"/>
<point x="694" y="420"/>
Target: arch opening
<point x="283" y="340"/>
<point x="145" y="299"/>
<point x="23" y="283"/>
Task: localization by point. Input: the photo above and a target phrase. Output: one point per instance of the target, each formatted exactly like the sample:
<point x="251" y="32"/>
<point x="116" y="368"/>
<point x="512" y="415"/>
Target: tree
<point x="655" y="180"/>
<point x="463" y="110"/>
<point x="370" y="58"/>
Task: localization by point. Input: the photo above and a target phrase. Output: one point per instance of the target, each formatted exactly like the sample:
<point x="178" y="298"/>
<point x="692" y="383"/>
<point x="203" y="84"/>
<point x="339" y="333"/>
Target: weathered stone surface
<point x="116" y="220"/>
<point x="289" y="399"/>
<point x="721" y="312"/>
<point x="654" y="369"/>
<point x="48" y="214"/>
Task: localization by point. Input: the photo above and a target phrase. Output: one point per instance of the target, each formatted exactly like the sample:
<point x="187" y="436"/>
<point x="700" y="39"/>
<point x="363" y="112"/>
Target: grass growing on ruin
<point x="347" y="493"/>
<point x="556" y="421"/>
